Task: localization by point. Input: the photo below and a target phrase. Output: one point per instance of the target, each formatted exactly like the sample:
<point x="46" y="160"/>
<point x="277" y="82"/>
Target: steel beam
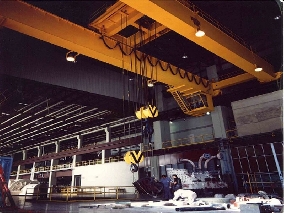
<point x="27" y="19"/>
<point x="232" y="81"/>
<point x="177" y="17"/>
<point x="84" y="150"/>
<point x="116" y="17"/>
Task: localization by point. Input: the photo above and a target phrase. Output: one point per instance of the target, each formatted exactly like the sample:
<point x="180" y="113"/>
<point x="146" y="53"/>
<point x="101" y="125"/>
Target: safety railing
<point x="60" y="193"/>
<point x="99" y="161"/>
<point x="204" y="138"/>
<point x="68" y="165"/>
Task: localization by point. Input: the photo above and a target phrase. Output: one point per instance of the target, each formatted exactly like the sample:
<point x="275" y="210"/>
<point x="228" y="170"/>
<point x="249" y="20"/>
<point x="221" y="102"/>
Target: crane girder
<point x="232" y="81"/>
<point x="115" y="19"/>
<point x="27" y="19"/>
<point x="179" y="18"/>
<point x="118" y="17"/>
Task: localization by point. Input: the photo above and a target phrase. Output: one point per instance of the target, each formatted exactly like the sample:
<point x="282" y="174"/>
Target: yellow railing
<point x="82" y="193"/>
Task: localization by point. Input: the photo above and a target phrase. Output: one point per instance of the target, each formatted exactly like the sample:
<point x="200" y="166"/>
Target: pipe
<point x="207" y="161"/>
<point x="189" y="162"/>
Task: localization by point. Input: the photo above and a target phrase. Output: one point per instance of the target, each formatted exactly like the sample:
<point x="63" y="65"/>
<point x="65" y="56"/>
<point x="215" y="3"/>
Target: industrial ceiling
<point x="34" y="113"/>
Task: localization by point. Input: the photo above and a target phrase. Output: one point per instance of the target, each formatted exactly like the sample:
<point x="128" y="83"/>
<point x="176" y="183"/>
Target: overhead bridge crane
<point x="174" y="15"/>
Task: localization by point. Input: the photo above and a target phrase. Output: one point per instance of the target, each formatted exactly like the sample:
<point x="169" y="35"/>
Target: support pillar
<point x="221" y="123"/>
<point x="39" y="153"/>
<point x="108" y="139"/>
<point x="154" y="162"/>
<point x="277" y="163"/>
<point x="76" y="158"/>
<point x="160" y="100"/>
<point x="161" y="133"/>
<point x="220" y="119"/>
<point x="53" y="162"/>
<point x="79" y="145"/>
<point x="21" y="166"/>
<point x="227" y="167"/>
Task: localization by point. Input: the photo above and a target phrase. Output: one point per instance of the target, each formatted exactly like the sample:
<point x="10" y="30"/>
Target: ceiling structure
<point x="48" y="113"/>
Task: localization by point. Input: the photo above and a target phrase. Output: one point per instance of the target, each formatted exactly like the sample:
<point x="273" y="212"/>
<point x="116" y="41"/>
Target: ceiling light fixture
<point x="199" y="32"/>
<point x="150" y="83"/>
<point x="71" y="56"/>
<point x="257" y="68"/>
<point x="184" y="56"/>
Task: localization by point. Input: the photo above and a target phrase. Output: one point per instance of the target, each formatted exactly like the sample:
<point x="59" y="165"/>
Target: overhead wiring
<point x="182" y="73"/>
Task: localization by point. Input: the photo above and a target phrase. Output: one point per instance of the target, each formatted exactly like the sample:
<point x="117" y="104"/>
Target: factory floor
<point x="101" y="207"/>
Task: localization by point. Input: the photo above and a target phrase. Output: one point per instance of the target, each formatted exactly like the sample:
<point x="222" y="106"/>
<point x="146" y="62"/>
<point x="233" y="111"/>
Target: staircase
<point x="194" y="104"/>
<point x="182" y="102"/>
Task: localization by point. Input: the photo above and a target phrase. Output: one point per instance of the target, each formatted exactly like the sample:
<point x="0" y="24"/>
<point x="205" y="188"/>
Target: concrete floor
<point x="102" y="207"/>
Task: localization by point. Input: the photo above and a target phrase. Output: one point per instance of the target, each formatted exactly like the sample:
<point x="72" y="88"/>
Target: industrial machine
<point x="5" y="170"/>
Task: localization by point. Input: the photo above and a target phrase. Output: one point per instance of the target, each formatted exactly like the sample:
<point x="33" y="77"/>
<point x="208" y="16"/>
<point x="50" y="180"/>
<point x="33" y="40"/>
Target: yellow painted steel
<point x="139" y="39"/>
<point x="147" y="112"/>
<point x="177" y="17"/>
<point x="119" y="16"/>
<point x="116" y="17"/>
<point x="170" y="15"/>
<point x="133" y="157"/>
<point x="232" y="81"/>
<point x="32" y="21"/>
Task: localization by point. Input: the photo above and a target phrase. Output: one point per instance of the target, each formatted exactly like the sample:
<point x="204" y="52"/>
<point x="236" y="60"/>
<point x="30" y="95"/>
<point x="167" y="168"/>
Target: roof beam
<point x="177" y="17"/>
<point x="27" y="19"/>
